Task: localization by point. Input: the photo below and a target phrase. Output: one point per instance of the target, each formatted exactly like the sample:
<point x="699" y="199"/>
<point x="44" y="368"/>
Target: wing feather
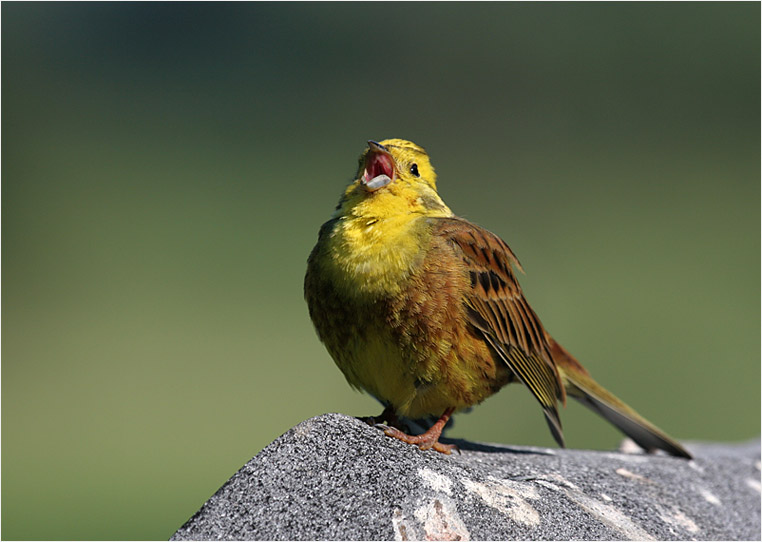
<point x="498" y="311"/>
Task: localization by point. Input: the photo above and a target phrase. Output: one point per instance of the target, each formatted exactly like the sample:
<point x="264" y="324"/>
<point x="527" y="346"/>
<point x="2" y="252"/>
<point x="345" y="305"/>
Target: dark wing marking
<point x="497" y="309"/>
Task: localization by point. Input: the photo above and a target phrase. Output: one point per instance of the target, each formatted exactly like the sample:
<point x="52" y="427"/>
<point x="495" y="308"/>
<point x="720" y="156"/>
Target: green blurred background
<point x="166" y="168"/>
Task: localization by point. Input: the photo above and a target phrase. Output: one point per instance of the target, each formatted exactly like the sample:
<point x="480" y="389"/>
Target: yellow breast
<point x="358" y="265"/>
<point x="370" y="288"/>
<point x="371" y="258"/>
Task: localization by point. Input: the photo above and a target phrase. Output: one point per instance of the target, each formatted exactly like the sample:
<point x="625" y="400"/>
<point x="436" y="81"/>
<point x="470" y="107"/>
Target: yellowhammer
<point x="422" y="309"/>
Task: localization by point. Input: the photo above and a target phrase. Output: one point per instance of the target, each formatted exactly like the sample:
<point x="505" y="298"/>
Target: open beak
<point x="379" y="167"/>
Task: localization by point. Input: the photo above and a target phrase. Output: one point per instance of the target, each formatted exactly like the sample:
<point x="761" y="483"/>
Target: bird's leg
<point x="429" y="439"/>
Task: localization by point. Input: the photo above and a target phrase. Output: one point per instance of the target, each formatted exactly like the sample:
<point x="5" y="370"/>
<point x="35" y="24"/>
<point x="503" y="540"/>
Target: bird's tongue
<point x="379" y="171"/>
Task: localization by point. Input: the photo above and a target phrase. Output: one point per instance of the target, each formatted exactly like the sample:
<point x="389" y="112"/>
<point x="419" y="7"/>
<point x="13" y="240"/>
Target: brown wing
<point x="498" y="311"/>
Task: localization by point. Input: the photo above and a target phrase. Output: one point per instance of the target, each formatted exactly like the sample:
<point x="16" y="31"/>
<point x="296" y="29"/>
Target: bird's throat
<point x="374" y="257"/>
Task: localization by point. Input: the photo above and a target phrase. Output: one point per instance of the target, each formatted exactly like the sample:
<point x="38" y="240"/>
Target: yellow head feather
<point x="411" y="188"/>
<point x="380" y="225"/>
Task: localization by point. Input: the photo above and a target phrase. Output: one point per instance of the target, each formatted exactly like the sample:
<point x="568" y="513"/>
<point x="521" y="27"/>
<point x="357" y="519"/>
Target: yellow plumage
<point x="422" y="309"/>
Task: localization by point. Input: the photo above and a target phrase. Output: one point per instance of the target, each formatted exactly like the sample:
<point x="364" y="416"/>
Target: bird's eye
<point x="414" y="170"/>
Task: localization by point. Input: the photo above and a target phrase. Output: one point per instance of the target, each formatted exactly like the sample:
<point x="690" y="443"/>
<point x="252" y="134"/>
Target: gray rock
<point x="334" y="477"/>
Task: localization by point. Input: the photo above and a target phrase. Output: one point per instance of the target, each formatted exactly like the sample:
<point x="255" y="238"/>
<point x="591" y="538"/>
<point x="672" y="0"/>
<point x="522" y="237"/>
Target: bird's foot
<point x="427" y="441"/>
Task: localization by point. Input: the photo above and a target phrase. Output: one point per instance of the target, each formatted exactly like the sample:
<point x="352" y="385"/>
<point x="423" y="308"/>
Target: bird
<point x="423" y="310"/>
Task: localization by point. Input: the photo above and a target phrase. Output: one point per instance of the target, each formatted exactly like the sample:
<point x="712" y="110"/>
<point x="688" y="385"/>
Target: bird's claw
<point x="427" y="441"/>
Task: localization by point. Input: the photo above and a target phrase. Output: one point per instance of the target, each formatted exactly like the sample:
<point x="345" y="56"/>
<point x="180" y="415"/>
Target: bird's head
<point x="394" y="177"/>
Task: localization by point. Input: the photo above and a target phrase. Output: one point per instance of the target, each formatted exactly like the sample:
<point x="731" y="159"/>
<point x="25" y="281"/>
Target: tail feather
<point x="581" y="386"/>
<point x="632" y="424"/>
